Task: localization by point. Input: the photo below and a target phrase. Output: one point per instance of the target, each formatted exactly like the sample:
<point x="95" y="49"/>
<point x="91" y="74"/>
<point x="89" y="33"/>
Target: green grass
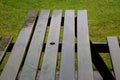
<point x="103" y="16"/>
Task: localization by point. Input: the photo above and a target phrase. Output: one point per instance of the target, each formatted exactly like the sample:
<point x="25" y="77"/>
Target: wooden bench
<point x="115" y="55"/>
<point x="27" y="50"/>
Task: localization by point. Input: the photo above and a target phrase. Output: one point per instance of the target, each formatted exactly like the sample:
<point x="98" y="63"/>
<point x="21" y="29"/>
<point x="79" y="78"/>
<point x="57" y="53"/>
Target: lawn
<point x="103" y="15"/>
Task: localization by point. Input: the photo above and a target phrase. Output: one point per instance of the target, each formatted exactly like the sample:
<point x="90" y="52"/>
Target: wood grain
<point x="84" y="55"/>
<point x="115" y="55"/>
<point x="30" y="66"/>
<point x="13" y="64"/>
<point x="50" y="57"/>
<point x="67" y="56"/>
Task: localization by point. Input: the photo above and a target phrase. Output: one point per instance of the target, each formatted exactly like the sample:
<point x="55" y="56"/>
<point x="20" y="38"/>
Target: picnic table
<point x="28" y="49"/>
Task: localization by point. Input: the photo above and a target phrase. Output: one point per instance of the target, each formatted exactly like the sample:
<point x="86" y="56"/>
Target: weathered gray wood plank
<point x="115" y="55"/>
<point x="84" y="55"/>
<point x="4" y="43"/>
<point x="14" y="62"/>
<point x="30" y="66"/>
<point x="68" y="47"/>
<point x="50" y="57"/>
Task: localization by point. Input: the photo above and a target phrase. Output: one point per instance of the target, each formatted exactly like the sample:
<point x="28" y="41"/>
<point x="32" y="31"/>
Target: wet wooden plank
<point x="68" y="48"/>
<point x="84" y="55"/>
<point x="4" y="43"/>
<point x="50" y="57"/>
<point x="115" y="55"/>
<point x="14" y="62"/>
<point x="30" y="66"/>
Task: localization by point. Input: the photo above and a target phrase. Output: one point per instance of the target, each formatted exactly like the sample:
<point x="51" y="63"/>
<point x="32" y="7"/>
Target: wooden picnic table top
<point x="27" y="51"/>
